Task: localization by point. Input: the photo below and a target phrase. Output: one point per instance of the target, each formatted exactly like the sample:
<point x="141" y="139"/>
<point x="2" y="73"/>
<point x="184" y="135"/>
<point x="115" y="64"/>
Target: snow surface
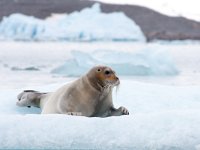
<point x="145" y="62"/>
<point x="161" y="117"/>
<point x="89" y="24"/>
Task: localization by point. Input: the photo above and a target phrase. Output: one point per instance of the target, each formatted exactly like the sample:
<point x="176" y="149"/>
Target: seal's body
<point x="90" y="95"/>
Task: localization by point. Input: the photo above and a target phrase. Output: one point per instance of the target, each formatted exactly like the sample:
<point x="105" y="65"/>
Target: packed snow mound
<point x="146" y="62"/>
<point x="161" y="117"/>
<point x="87" y="25"/>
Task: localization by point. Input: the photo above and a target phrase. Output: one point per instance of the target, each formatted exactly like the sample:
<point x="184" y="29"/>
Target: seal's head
<point x="103" y="77"/>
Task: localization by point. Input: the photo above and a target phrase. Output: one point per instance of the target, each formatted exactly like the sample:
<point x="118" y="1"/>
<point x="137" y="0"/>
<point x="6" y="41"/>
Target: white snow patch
<point x="167" y="7"/>
<point x="161" y="117"/>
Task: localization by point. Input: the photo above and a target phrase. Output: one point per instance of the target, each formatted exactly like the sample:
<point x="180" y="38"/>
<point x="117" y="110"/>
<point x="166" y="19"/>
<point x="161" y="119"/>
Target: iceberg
<point x="145" y="62"/>
<point x="90" y="24"/>
<point x="21" y="27"/>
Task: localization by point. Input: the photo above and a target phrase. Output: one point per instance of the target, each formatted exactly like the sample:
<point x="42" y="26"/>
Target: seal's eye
<point x="107" y="72"/>
<point x="99" y="70"/>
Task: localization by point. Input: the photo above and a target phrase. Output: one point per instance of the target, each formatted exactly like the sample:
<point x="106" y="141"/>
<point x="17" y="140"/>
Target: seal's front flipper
<point x="29" y="98"/>
<point x="120" y="111"/>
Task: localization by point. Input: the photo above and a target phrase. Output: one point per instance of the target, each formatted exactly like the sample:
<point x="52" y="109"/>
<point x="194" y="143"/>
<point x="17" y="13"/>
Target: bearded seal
<point x="90" y="96"/>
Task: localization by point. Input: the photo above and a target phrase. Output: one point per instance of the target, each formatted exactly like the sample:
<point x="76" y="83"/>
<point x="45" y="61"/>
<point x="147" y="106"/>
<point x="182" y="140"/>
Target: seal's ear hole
<point x="98" y="70"/>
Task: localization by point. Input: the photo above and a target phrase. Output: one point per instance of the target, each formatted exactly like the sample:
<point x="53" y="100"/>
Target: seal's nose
<point x="117" y="81"/>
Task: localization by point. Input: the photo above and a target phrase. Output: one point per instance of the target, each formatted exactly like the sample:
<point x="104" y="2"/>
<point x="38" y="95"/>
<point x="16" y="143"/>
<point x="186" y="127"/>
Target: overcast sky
<point x="187" y="8"/>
